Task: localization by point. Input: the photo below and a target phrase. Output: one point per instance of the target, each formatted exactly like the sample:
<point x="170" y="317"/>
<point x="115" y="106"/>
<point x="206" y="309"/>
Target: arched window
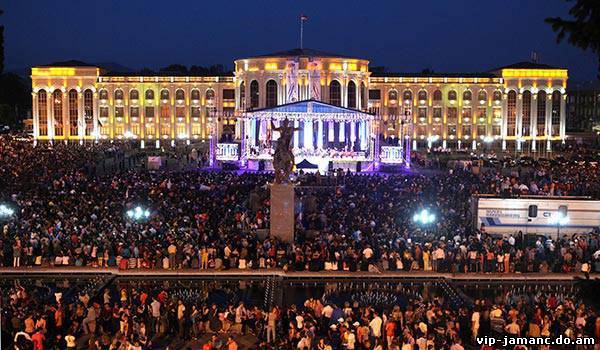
<point x="134" y="95"/>
<point x="179" y="95"/>
<point x="407" y="96"/>
<point x="118" y="94"/>
<point x="482" y="96"/>
<point x="497" y="96"/>
<point x="541" y="113"/>
<point x="58" y="110"/>
<point x="210" y="97"/>
<point x="335" y="93"/>
<point x="103" y="95"/>
<point x="526" y="118"/>
<point x="242" y="95"/>
<point x="271" y="93"/>
<point x="511" y="112"/>
<point x="42" y="113"/>
<point x="393" y="96"/>
<point x="73" y="112"/>
<point x="164" y="94"/>
<point x="351" y="94"/>
<point x="254" y="94"/>
<point x="422" y="95"/>
<point x="195" y="94"/>
<point x="149" y="94"/>
<point x="88" y="111"/>
<point x="467" y="95"/>
<point x="437" y="95"/>
<point x="451" y="95"/>
<point x="556" y="96"/>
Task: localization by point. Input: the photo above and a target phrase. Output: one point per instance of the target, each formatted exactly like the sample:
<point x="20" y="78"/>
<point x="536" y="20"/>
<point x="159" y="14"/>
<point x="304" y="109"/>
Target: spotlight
<point x="138" y="213"/>
<point x="424" y="217"/>
<point x="6" y="211"/>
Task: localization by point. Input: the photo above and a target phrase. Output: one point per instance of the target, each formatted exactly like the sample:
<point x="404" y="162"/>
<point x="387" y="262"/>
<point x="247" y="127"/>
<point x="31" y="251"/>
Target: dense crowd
<point x="134" y="317"/>
<point x="70" y="213"/>
<point x="71" y="209"/>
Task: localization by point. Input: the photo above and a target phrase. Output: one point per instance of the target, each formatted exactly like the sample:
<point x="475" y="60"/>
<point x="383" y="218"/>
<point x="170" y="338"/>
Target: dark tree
<point x="583" y="30"/>
<point x="175" y="69"/>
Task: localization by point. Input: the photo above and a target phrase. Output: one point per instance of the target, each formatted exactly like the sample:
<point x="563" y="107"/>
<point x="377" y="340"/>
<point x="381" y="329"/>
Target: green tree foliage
<point x="583" y="30"/>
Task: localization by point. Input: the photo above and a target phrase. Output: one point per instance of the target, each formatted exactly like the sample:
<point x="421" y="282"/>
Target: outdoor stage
<point x="327" y="137"/>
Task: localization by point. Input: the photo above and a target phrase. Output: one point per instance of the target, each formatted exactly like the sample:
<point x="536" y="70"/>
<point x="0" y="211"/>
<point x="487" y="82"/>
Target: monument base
<point x="282" y="212"/>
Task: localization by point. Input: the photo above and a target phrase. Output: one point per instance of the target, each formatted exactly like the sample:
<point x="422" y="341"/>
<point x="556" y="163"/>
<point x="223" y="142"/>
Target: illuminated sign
<point x="391" y="155"/>
<point x="227" y="151"/>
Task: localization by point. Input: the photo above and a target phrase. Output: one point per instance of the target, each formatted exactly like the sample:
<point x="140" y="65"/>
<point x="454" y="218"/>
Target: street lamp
<point x="424" y="217"/>
<point x="6" y="211"/>
<point x="138" y="213"/>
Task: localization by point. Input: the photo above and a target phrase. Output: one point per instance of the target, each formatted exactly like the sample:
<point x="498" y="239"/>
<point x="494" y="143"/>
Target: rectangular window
<point x="466" y="115"/>
<point x="481" y="115"/>
<point x="452" y="117"/>
<point x="496" y="130"/>
<point x="165" y="111"/>
<point x="134" y="112"/>
<point x="481" y="130"/>
<point x="119" y="114"/>
<point x="149" y="113"/>
<point x="421" y="130"/>
<point x="393" y="112"/>
<point x="181" y="129"/>
<point x="452" y="130"/>
<point x="437" y="114"/>
<point x="422" y="114"/>
<point x="466" y="131"/>
<point x="436" y="129"/>
<point x="42" y="113"/>
<point x="228" y="94"/>
<point x="135" y="129"/>
<point x="374" y="94"/>
<point x="180" y="112"/>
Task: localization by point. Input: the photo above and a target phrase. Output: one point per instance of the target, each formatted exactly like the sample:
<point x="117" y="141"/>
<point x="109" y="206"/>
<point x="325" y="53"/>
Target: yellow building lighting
<point x="271" y="66"/>
<point x="335" y="66"/>
<point x="534" y="73"/>
<point x="52" y="71"/>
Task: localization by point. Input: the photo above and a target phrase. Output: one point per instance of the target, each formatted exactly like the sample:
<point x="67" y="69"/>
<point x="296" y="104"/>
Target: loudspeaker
<point x="562" y="211"/>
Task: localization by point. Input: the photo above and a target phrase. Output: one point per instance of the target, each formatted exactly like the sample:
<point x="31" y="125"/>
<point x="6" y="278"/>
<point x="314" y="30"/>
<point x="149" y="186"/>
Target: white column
<point x="331" y="131"/>
<point x="352" y="134"/>
<point x="342" y="136"/>
<point x="308" y="134"/>
<point x="363" y="135"/>
<point x="80" y="117"/>
<point x="320" y="134"/>
<point x="35" y="115"/>
<point x="548" y="127"/>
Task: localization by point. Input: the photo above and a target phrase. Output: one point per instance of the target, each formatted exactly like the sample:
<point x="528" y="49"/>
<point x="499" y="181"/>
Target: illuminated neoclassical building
<point x="521" y="106"/>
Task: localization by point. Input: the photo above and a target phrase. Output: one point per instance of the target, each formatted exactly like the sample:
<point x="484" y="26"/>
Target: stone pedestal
<point x="282" y="212"/>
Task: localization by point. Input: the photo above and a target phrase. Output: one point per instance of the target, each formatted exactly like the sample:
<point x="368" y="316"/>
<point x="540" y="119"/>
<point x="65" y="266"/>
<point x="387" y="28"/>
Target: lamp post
<point x="6" y="211"/>
<point x="424" y="217"/>
<point x="138" y="213"/>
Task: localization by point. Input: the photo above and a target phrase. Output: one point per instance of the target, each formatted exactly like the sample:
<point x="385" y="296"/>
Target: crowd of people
<point x="69" y="213"/>
<point x="71" y="207"/>
<point x="134" y="317"/>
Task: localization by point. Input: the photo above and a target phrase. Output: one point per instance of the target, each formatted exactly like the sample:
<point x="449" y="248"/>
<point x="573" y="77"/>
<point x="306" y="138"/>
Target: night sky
<point x="404" y="36"/>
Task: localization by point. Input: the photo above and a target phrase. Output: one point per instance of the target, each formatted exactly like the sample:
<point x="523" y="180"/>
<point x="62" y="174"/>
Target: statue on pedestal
<point x="283" y="159"/>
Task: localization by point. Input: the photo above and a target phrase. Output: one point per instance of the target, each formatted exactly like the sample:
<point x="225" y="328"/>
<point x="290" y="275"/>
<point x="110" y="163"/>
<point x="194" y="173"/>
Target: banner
<point x="291" y="78"/>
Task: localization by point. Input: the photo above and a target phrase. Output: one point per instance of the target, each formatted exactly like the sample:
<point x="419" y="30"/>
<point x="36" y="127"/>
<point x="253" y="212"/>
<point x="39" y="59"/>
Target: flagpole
<point x="301" y="30"/>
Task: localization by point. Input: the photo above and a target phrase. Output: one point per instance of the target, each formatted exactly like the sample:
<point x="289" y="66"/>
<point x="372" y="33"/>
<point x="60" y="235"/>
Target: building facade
<point x="583" y="108"/>
<point x="520" y="106"/>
